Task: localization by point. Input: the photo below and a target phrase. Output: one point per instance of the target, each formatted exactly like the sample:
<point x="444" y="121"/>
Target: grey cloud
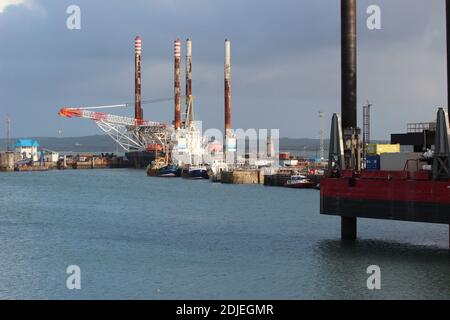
<point x="286" y="61"/>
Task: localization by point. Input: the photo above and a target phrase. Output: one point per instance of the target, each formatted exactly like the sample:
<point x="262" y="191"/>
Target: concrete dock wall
<point x="242" y="177"/>
<point x="7" y="161"/>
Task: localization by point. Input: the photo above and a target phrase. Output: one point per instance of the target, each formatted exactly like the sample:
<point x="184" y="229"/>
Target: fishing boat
<point x="168" y="171"/>
<point x="299" y="182"/>
<point x="198" y="172"/>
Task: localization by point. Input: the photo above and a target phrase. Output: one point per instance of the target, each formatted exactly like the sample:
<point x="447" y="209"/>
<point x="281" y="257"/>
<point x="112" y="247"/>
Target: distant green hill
<point x="96" y="143"/>
<point x="103" y="143"/>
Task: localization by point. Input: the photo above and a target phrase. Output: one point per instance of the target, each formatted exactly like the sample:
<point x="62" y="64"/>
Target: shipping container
<point x="154" y="147"/>
<point x="285" y="155"/>
<point x="373" y="163"/>
<point x="410" y="161"/>
<point x="289" y="163"/>
<point x="378" y="149"/>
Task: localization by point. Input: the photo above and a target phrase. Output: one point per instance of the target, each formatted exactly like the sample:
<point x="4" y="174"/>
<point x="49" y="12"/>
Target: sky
<point x="285" y="62"/>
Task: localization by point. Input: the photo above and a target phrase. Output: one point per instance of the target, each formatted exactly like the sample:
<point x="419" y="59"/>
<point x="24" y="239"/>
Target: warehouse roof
<point x="26" y="143"/>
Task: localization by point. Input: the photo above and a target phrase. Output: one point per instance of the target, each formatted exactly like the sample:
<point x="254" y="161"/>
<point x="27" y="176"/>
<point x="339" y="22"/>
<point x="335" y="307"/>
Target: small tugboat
<point x="299" y="182"/>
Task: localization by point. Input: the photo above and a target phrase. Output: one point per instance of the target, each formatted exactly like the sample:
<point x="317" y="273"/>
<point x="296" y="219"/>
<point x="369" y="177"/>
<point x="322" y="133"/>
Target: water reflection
<point x="408" y="271"/>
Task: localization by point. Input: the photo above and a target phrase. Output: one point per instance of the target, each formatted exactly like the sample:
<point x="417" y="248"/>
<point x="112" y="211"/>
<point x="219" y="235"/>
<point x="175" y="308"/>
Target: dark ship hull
<point x="141" y="159"/>
<point x="387" y="195"/>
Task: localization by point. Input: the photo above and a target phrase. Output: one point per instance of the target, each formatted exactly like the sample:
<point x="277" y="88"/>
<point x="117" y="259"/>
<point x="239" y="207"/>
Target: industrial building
<point x="27" y="149"/>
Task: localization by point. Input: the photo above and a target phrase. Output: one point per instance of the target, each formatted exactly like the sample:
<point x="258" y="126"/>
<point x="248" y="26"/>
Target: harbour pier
<point x="243" y="176"/>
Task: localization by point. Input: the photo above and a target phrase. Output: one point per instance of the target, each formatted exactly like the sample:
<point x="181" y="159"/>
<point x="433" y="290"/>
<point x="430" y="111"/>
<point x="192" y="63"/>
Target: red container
<point x="154" y="147"/>
<point x="285" y="156"/>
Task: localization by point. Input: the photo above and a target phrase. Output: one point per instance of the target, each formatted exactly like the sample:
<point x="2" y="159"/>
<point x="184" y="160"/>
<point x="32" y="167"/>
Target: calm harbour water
<point x="151" y="238"/>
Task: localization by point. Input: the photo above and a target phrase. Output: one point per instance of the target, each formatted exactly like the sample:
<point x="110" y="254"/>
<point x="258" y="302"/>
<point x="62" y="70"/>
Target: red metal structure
<point x="86" y="113"/>
<point x="227" y="76"/>
<point x="131" y="133"/>
<point x="393" y="195"/>
<point x="420" y="195"/>
<point x="138" y="113"/>
<point x="189" y="110"/>
<point x="177" y="84"/>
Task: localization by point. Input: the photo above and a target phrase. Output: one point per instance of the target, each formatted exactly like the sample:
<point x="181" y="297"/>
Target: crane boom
<point x="83" y="112"/>
<point x="130" y="133"/>
<point x="110" y="118"/>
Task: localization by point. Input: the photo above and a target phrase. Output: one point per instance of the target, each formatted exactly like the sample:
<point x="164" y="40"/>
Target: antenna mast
<point x="8" y="131"/>
<point x="321" y="155"/>
<point x="366" y="128"/>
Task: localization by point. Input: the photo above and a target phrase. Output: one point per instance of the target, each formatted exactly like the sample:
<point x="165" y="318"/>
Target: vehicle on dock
<point x="299" y="181"/>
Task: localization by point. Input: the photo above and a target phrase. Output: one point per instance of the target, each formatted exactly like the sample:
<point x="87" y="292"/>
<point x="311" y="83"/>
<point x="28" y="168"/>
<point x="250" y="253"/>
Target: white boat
<point x="198" y="172"/>
<point x="299" y="181"/>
